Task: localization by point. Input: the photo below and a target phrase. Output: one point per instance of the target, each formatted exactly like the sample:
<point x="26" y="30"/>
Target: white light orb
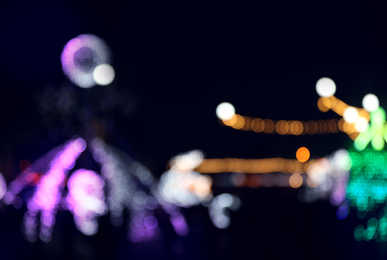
<point x="325" y="87"/>
<point x="361" y="124"/>
<point x="350" y="115"/>
<point x="225" y="111"/>
<point x="103" y="74"/>
<point x="370" y="102"/>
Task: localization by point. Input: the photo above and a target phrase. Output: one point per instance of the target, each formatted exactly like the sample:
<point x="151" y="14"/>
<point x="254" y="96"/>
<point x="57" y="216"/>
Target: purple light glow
<point x="3" y="186"/>
<point x="143" y="227"/>
<point x="179" y="224"/>
<point x="86" y="199"/>
<point x="121" y="174"/>
<point x="81" y="56"/>
<point x="48" y="193"/>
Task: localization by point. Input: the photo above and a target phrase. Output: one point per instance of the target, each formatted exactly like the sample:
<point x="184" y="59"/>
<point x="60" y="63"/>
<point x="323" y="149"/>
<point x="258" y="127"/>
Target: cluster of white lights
<point x="181" y="185"/>
<point x="327" y="178"/>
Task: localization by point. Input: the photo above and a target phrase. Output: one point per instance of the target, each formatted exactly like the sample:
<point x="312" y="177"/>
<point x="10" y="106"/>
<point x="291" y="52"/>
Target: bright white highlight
<point x="325" y="87"/>
<point x="225" y="111"/>
<point x="370" y="102"/>
<point x="350" y="115"/>
<point x="361" y="124"/>
<point x="103" y="74"/>
<point x="181" y="185"/>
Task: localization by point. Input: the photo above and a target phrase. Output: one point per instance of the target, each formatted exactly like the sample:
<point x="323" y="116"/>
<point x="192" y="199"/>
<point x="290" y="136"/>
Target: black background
<point x="179" y="60"/>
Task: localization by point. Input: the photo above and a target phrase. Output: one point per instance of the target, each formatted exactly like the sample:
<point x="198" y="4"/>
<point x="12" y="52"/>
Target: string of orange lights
<point x="297" y="127"/>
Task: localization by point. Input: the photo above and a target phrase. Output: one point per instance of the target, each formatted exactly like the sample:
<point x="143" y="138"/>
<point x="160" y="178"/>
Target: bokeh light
<point x="81" y="56"/>
<point x="3" y="186"/>
<point x="103" y="74"/>
<point x="47" y="196"/>
<point x="225" y="111"/>
<point x="302" y="154"/>
<point x="181" y="185"/>
<point x="325" y="87"/>
<point x="86" y="199"/>
<point x="350" y="114"/>
<point x="218" y="209"/>
<point x="295" y="180"/>
<point x="370" y="102"/>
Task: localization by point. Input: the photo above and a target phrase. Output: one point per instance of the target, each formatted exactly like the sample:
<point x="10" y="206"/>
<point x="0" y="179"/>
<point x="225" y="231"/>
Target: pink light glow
<point x="49" y="191"/>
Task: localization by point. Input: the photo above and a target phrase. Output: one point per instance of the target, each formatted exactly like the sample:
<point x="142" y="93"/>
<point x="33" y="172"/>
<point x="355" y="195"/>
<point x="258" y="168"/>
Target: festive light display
<point x="355" y="178"/>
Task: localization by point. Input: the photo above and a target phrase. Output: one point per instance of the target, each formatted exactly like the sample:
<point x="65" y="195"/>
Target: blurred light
<point x="361" y="124"/>
<point x="367" y="186"/>
<point x="327" y="178"/>
<point x="325" y="87"/>
<point x="218" y="209"/>
<point x="322" y="106"/>
<point x="342" y="212"/>
<point x="81" y="55"/>
<point x="302" y="154"/>
<point x="86" y="199"/>
<point x="103" y="74"/>
<point x="350" y="114"/>
<point x="252" y="166"/>
<point x="47" y="195"/>
<point x="295" y="180"/>
<point x="121" y="174"/>
<point x="370" y="102"/>
<point x="225" y="111"/>
<point x="3" y="186"/>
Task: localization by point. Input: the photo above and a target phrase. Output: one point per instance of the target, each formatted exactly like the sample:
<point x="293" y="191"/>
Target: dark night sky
<point x="179" y="60"/>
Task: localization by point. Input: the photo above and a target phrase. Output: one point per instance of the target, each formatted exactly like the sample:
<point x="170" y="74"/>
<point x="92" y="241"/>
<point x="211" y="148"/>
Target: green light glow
<point x="376" y="133"/>
<point x="367" y="186"/>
